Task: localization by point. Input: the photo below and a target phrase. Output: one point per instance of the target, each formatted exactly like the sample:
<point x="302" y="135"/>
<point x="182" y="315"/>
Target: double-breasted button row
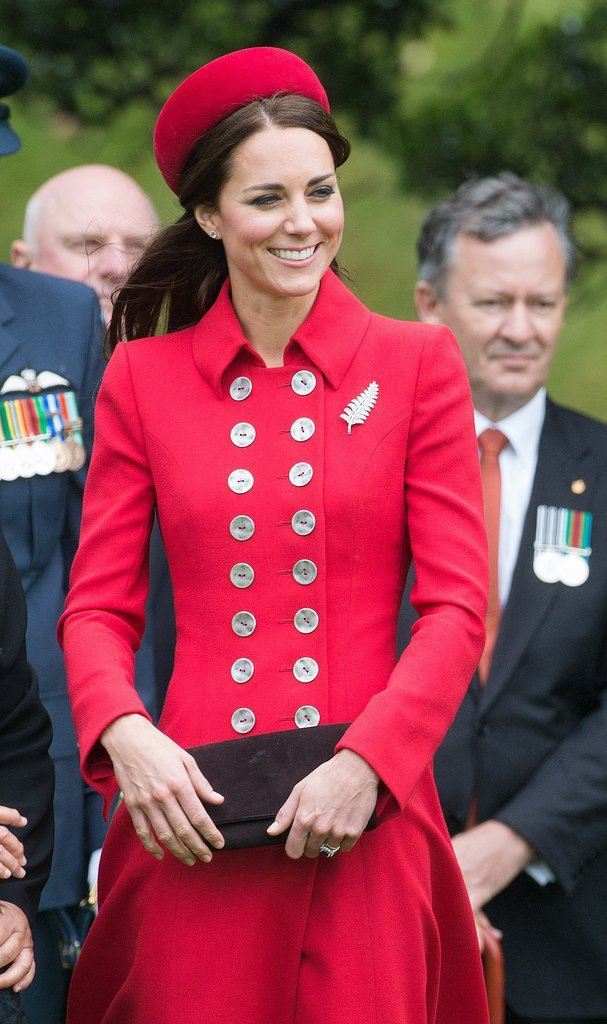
<point x="304" y="572"/>
<point x="243" y="434"/>
<point x="242" y="528"/>
<point x="305" y="621"/>
<point x="305" y="717"/>
<point x="305" y="670"/>
<point x="303" y="383"/>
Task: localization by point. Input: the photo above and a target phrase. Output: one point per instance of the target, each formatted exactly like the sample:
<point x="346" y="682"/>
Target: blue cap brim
<point x="9" y="140"/>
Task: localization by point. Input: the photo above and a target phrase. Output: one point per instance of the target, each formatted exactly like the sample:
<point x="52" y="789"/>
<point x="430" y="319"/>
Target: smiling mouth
<point x="294" y="255"/>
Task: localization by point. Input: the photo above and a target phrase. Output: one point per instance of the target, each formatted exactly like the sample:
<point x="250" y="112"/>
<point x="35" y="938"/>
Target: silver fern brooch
<point x="359" y="408"/>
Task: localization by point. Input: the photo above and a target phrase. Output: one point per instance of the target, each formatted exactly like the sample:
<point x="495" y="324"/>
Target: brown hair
<point x="181" y="272"/>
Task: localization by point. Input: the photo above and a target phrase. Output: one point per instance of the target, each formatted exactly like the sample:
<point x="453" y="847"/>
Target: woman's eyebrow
<point x="277" y="187"/>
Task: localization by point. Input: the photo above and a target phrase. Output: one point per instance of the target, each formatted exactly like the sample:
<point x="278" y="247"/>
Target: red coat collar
<point x="329" y="336"/>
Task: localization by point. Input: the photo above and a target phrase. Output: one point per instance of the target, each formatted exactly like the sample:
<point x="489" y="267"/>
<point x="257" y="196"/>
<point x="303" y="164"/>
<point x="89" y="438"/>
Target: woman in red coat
<point x="298" y="449"/>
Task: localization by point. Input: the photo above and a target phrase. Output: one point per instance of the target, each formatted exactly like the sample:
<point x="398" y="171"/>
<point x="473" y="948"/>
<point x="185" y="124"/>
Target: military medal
<point x="562" y="545"/>
<point x="40" y="426"/>
<point x="9" y="470"/>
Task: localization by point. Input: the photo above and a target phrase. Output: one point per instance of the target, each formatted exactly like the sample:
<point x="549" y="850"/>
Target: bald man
<point x="88" y="224"/>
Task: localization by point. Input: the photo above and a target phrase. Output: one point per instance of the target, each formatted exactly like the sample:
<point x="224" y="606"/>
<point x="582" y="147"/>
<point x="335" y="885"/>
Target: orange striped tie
<point x="491" y="443"/>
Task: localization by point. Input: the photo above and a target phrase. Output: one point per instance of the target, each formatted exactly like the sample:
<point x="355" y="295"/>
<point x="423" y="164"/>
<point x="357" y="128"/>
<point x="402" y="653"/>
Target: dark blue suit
<point x="51" y="324"/>
<point x="48" y="323"/>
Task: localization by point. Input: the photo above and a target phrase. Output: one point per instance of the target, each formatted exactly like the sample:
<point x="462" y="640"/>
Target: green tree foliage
<point x="93" y="57"/>
<point x="537" y="107"/>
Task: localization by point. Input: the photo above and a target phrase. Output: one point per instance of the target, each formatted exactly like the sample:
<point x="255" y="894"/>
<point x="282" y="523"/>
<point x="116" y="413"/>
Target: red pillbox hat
<point x="218" y="89"/>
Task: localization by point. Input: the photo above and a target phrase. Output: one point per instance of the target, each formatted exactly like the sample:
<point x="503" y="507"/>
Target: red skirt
<point x="381" y="935"/>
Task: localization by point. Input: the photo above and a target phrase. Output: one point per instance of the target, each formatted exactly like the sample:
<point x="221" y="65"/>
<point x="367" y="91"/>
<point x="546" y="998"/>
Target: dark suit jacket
<point x="51" y="324"/>
<point x="532" y="745"/>
<point x="26" y="770"/>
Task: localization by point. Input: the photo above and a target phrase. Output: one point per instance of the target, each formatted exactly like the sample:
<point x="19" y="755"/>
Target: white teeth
<point x="294" y="254"/>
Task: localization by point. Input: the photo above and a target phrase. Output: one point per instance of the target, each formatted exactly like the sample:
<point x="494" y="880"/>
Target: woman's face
<point x="280" y="214"/>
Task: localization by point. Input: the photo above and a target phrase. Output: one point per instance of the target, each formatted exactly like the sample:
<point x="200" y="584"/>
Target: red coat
<point x="383" y="933"/>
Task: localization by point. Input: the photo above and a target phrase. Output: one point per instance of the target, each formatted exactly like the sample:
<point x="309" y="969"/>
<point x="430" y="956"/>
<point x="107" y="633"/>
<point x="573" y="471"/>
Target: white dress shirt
<point x="518" y="461"/>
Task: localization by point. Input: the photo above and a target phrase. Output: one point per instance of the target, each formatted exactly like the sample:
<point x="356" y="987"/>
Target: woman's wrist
<point x="117" y="730"/>
<point x="358" y="765"/>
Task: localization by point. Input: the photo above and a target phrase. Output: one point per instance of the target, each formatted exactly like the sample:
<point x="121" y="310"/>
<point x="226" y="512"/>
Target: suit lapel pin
<point x="578" y="486"/>
<point x="562" y="545"/>
<point x="358" y="409"/>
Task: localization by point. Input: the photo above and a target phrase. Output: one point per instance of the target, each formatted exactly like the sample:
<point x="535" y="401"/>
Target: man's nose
<point x="518" y="325"/>
<point x="110" y="261"/>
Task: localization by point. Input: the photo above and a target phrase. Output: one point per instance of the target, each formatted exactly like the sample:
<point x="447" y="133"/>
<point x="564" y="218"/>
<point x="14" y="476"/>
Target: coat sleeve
<point x="562" y="809"/>
<point x="104" y="618"/>
<point x="402" y="725"/>
<point x="26" y="770"/>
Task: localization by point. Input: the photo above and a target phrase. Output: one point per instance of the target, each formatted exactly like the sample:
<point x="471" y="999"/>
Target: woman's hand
<point x="12" y="856"/>
<point x="163" y="789"/>
<point x="331" y="805"/>
<point x="16" y="948"/>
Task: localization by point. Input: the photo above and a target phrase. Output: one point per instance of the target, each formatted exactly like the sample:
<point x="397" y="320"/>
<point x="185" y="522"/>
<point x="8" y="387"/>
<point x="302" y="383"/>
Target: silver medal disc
<point x="27" y="461"/>
<point x="575" y="570"/>
<point x="44" y="458"/>
<point x="547" y="566"/>
<point x="9" y="469"/>
<point x="61" y="455"/>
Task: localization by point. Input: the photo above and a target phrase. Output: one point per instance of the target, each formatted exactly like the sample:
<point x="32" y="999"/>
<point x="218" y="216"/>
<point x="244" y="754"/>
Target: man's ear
<point x="21" y="255"/>
<point x="427" y="303"/>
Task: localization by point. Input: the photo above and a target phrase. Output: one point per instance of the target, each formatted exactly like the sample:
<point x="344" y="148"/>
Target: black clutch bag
<point x="256" y="774"/>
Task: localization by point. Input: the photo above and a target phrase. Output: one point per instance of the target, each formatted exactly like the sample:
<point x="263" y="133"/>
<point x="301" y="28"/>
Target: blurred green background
<point x="430" y="91"/>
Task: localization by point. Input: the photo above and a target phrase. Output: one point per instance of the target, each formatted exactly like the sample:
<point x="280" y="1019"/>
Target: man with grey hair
<point x="522" y="773"/>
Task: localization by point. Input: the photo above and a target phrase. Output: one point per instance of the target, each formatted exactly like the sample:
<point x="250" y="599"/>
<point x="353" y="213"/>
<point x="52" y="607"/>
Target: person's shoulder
<point x="579" y="426"/>
<point x="55" y="292"/>
<point x="157" y="347"/>
<point x="408" y="330"/>
<point x="580" y="422"/>
<point x="408" y="337"/>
